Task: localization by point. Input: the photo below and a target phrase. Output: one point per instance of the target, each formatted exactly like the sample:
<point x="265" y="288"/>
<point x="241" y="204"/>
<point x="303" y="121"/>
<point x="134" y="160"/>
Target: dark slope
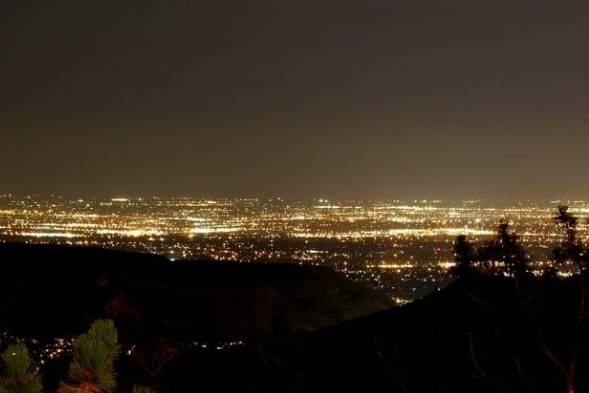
<point x="163" y="308"/>
<point x="477" y="335"/>
<point x="58" y="290"/>
<point x="481" y="334"/>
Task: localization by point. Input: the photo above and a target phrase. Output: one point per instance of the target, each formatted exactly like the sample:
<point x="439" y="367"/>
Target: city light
<point x="404" y="248"/>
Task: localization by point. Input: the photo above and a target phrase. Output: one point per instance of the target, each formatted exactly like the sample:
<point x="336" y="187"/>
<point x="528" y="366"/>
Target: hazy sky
<point x="363" y="98"/>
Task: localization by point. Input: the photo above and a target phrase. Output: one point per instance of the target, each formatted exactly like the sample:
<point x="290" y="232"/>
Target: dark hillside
<point x="478" y="335"/>
<point x="175" y="319"/>
<point x="297" y="329"/>
<point x="57" y="290"/>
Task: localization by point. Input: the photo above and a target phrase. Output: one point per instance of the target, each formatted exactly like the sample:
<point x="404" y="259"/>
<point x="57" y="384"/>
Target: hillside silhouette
<point x="57" y="290"/>
<point x="173" y="315"/>
<point x="473" y="336"/>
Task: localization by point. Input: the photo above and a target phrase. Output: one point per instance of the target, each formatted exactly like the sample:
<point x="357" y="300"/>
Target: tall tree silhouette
<point x="464" y="257"/>
<point x="567" y="221"/>
<point x="571" y="248"/>
<point x="506" y="250"/>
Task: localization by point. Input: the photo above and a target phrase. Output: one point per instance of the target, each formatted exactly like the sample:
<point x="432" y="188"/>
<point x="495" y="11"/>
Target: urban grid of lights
<point x="400" y="246"/>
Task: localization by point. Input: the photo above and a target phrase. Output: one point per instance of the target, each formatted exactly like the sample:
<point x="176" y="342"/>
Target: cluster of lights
<point x="44" y="353"/>
<point x="404" y="247"/>
<point x="220" y="346"/>
<point x="41" y="352"/>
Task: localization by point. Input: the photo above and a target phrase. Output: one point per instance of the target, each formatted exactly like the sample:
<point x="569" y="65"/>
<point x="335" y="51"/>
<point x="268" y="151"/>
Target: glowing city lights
<point x="402" y="247"/>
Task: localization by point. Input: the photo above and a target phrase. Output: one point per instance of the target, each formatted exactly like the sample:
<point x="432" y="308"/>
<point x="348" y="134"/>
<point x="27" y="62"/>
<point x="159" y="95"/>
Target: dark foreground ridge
<point x="176" y="320"/>
<point x="216" y="327"/>
<point x="55" y="289"/>
<point x="480" y="334"/>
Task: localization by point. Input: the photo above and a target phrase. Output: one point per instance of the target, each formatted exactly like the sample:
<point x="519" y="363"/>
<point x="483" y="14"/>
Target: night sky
<point x="299" y="99"/>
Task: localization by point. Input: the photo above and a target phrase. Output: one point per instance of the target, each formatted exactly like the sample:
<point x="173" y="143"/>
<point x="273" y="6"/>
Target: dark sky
<point x="299" y="99"/>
